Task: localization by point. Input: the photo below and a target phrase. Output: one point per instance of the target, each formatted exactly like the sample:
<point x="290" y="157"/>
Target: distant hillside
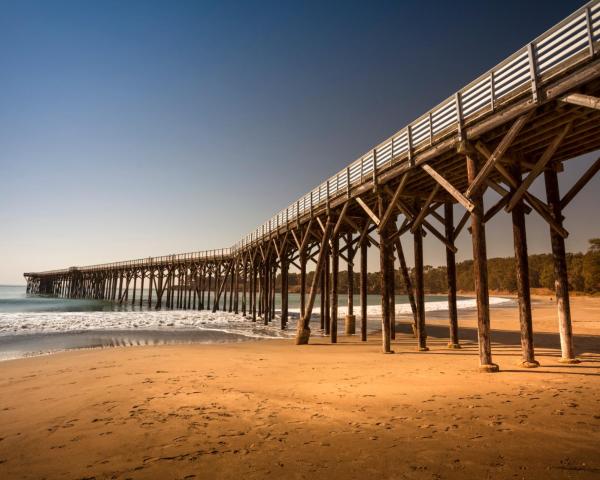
<point x="584" y="274"/>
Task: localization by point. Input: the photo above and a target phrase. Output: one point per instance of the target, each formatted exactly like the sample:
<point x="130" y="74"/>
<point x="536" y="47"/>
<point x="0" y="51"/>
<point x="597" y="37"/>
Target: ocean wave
<point x="165" y="320"/>
<point x="432" y="306"/>
<point x="52" y="322"/>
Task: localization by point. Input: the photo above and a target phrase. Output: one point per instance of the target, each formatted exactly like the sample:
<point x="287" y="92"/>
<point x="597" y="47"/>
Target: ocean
<point x="35" y="325"/>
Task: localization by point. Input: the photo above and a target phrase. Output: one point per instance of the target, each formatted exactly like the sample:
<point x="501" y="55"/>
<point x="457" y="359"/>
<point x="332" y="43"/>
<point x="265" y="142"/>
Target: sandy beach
<point x="271" y="409"/>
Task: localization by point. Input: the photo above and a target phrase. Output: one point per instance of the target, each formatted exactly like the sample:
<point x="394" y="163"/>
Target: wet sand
<point x="269" y="409"/>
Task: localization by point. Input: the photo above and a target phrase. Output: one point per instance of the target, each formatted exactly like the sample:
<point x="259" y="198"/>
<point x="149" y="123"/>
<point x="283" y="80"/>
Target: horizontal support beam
<point x="581" y="100"/>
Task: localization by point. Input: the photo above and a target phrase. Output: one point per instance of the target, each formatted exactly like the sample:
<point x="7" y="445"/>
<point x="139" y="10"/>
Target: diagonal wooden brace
<point x="585" y="178"/>
<point x="498" y="153"/>
<point x="425" y="210"/>
<point x="460" y="198"/>
<point x="392" y="205"/>
<point x="368" y="211"/>
<point x="538" y="167"/>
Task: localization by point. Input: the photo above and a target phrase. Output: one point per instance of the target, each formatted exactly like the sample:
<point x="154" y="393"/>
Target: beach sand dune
<point x="270" y="409"/>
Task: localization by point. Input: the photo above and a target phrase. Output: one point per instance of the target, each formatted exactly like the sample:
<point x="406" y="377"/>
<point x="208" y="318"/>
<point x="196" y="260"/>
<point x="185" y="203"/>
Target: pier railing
<point x="567" y="45"/>
<point x="182" y="258"/>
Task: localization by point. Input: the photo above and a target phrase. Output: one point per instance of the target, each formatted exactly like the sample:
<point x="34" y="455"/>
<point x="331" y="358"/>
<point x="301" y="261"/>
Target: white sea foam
<point x="169" y="320"/>
<point x="164" y="320"/>
<point x="404" y="308"/>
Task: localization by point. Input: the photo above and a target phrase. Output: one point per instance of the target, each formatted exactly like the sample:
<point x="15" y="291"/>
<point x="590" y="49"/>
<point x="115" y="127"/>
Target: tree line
<point x="583" y="269"/>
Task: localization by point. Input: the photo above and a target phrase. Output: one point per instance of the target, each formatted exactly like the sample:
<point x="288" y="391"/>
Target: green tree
<point x="591" y="266"/>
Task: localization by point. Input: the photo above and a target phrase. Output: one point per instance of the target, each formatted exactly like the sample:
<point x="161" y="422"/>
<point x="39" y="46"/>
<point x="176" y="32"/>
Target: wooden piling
<point x="522" y="270"/>
<point x="451" y="275"/>
<point x="363" y="290"/>
<point x="350" y="319"/>
<point x="420" y="332"/>
<point x="480" y="273"/>
<point x="561" y="281"/>
<point x="335" y="267"/>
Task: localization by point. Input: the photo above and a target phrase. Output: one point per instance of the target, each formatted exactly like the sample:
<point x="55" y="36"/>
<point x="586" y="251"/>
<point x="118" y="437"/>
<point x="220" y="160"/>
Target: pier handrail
<point x="571" y="42"/>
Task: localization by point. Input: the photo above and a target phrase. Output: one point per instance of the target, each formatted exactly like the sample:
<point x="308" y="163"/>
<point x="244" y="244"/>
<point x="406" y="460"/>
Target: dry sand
<point x="272" y="409"/>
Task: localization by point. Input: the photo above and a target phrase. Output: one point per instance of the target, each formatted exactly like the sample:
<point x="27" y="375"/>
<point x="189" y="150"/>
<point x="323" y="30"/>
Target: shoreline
<point x="257" y="409"/>
<point x="29" y="334"/>
<point x="75" y="339"/>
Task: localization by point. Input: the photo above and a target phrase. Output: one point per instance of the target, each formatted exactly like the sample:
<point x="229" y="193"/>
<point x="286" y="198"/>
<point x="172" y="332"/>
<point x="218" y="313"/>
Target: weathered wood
<point x="384" y="260"/>
<point x="582" y="182"/>
<point x="408" y="287"/>
<point x="350" y="319"/>
<point x="392" y="205"/>
<point x="424" y="210"/>
<point x="327" y="292"/>
<point x="480" y="274"/>
<point x="497" y="154"/>
<point x="303" y="261"/>
<point x="451" y="277"/>
<point x="391" y="285"/>
<point x="303" y="330"/>
<point x="561" y="281"/>
<point x="340" y="220"/>
<point x="363" y="291"/>
<point x="368" y="211"/>
<point x="219" y="287"/>
<point x="335" y="267"/>
<point x="284" y="291"/>
<point x="537" y="204"/>
<point x="582" y="100"/>
<point x="323" y="294"/>
<point x="522" y="270"/>
<point x="420" y="331"/>
<point x="460" y="198"/>
<point x="537" y="169"/>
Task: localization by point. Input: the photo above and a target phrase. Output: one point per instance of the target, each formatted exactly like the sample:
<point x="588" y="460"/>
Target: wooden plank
<point x="460" y="198"/>
<point x="480" y="275"/>
<point x="585" y="178"/>
<point x="365" y="231"/>
<point x="451" y="277"/>
<point x="561" y="280"/>
<point x="303" y="330"/>
<point x="492" y="211"/>
<point x="539" y="167"/>
<point x="369" y="212"/>
<point x="340" y="219"/>
<point x="537" y="204"/>
<point x="306" y="236"/>
<point x="425" y="210"/>
<point x="295" y="239"/>
<point x="335" y="268"/>
<point x="503" y="192"/>
<point x="320" y="224"/>
<point x="385" y="257"/>
<point x="498" y="153"/>
<point x="581" y="100"/>
<point x="522" y="271"/>
<point x="392" y="205"/>
<point x="420" y="331"/>
<point x="461" y="225"/>
<point x="406" y="278"/>
<point x="363" y="291"/>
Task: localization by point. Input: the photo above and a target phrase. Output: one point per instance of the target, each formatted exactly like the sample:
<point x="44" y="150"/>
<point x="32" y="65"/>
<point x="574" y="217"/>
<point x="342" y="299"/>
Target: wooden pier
<point x="520" y="120"/>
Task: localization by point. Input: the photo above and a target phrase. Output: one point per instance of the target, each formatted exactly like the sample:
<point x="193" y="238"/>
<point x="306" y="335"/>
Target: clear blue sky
<point x="130" y="129"/>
